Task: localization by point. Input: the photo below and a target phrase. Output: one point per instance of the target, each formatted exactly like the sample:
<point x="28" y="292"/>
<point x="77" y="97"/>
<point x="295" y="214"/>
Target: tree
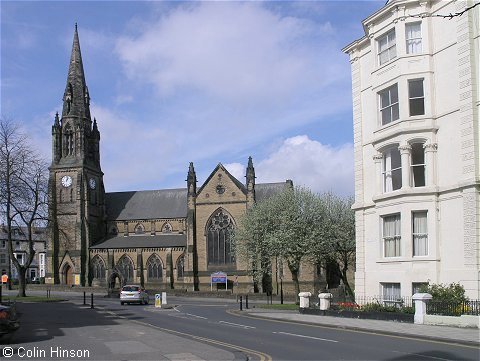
<point x="339" y="247"/>
<point x="285" y="226"/>
<point x="23" y="192"/>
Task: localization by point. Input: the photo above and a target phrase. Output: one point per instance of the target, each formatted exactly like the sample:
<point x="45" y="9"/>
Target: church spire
<point x="76" y="99"/>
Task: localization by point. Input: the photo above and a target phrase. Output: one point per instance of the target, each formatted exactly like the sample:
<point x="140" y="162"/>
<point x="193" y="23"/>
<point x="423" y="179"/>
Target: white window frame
<point x="391" y="47"/>
<point x="417" y="165"/>
<point x="412" y="98"/>
<point x="41" y="265"/>
<point x="395" y="239"/>
<point x="388" y="171"/>
<point x="3" y="258"/>
<point x="391" y="106"/>
<point x="391" y="290"/>
<point x="419" y="250"/>
<point x="410" y="42"/>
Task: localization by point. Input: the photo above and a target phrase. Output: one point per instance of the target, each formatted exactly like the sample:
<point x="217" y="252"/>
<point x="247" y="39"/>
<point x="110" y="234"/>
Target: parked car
<point x="133" y="294"/>
<point x="8" y="319"/>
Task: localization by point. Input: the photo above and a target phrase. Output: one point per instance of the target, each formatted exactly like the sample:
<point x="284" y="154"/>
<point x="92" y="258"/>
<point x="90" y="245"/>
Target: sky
<point x="203" y="82"/>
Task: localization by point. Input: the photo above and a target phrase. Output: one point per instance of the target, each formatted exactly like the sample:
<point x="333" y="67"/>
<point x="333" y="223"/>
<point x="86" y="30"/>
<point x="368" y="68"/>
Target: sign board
<point x="218" y="277"/>
<point x="158" y="300"/>
<point x="77" y="280"/>
<point x="4" y="278"/>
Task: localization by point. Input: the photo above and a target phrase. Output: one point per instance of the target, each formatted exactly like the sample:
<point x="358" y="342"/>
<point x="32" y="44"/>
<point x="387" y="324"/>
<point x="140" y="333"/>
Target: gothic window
<point x="68" y="140"/>
<point x="154" y="267"/>
<point x="125" y="265"/>
<point x="180" y="267"/>
<point x="219" y="242"/>
<point x="139" y="229"/>
<point x="167" y="228"/>
<point x="98" y="268"/>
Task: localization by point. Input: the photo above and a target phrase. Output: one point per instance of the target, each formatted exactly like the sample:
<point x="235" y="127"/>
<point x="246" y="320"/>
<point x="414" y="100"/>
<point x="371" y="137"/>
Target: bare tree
<point x="23" y="193"/>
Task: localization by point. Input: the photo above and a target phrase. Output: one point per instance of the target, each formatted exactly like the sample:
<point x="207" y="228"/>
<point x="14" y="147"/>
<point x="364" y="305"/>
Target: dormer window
<point x="167" y="228"/>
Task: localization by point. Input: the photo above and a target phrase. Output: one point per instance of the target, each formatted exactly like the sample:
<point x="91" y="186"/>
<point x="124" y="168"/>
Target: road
<point x="284" y="340"/>
<point x="212" y="324"/>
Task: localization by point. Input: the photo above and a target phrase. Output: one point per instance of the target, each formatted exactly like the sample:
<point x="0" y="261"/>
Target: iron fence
<point x="365" y="302"/>
<point x="453" y="308"/>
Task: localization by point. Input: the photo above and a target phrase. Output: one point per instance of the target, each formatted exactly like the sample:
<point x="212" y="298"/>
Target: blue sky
<point x="208" y="82"/>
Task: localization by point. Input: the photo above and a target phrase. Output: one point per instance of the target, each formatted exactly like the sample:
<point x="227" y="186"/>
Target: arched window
<point x="98" y="268"/>
<point x="219" y="243"/>
<point x="68" y="143"/>
<point x="167" y="228"/>
<point x="125" y="265"/>
<point x="154" y="267"/>
<point x="139" y="229"/>
<point x="180" y="266"/>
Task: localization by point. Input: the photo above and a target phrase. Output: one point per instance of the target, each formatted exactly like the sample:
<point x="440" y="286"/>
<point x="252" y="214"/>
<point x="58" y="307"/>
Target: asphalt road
<point x="209" y="329"/>
<point x="213" y="319"/>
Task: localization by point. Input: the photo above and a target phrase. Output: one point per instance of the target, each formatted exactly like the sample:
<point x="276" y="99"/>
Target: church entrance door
<point x="68" y="275"/>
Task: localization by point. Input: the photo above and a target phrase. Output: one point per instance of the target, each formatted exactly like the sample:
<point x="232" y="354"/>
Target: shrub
<point x="454" y="292"/>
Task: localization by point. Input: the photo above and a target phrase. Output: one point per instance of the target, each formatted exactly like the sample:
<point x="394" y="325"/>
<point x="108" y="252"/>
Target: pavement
<point x="464" y="336"/>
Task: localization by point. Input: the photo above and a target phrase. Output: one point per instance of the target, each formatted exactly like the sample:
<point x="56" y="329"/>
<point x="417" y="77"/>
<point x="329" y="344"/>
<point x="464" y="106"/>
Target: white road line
<point x="304" y="336"/>
<point x="235" y="324"/>
<point x="197" y="316"/>
<point x="175" y="308"/>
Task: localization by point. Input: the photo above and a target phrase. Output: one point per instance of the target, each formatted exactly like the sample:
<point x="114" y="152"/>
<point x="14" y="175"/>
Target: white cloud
<point x="310" y="163"/>
<point x="237" y="170"/>
<point x="237" y="69"/>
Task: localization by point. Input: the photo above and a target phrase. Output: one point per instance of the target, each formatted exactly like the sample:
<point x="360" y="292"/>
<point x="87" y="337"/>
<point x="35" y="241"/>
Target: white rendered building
<point x="415" y="80"/>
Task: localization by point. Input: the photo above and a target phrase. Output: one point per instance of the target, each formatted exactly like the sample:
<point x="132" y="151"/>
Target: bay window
<point x="420" y="234"/>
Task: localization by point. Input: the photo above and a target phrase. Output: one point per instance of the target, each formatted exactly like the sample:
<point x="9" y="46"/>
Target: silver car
<point x="133" y="294"/>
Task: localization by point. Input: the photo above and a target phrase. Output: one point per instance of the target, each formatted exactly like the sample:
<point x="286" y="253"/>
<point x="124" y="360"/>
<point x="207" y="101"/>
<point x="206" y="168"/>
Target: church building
<point x="163" y="239"/>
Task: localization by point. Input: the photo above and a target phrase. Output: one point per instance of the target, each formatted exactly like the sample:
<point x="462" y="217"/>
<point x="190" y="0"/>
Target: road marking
<point x="197" y="316"/>
<point x="235" y="324"/>
<point x="304" y="336"/>
<point x="261" y="356"/>
<point x="378" y="333"/>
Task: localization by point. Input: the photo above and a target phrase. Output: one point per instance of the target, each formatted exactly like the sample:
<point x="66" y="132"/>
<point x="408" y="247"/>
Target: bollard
<point x="246" y="302"/>
<point x="241" y="304"/>
<point x="84" y="298"/>
<point x="91" y="300"/>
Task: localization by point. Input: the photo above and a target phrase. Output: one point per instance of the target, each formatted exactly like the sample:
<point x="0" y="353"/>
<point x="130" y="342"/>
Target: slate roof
<point x="165" y="203"/>
<point x="264" y="191"/>
<point x="168" y="203"/>
<point x="147" y="241"/>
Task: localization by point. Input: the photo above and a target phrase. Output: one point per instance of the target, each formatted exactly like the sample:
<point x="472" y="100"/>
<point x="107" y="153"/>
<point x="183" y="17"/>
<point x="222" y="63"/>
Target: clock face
<point x="66" y="181"/>
<point x="220" y="189"/>
<point x="92" y="183"/>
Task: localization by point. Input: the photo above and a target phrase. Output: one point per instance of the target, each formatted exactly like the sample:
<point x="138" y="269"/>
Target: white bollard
<point x="421" y="300"/>
<point x="164" y="299"/>
<point x="325" y="300"/>
<point x="304" y="299"/>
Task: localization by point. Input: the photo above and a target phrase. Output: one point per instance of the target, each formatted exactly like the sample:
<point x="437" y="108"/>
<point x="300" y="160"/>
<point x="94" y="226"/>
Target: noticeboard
<point x="218" y="277"/>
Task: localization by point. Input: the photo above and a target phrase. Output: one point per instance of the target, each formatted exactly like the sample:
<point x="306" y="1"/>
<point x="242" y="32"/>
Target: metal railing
<point x="453" y="308"/>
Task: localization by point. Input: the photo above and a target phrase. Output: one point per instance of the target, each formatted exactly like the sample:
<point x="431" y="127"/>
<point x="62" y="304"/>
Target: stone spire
<point x="250" y="172"/>
<point x="192" y="180"/>
<point x="250" y="175"/>
<point x="76" y="99"/>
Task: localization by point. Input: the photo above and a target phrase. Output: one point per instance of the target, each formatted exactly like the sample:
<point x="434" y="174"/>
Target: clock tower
<point x="76" y="190"/>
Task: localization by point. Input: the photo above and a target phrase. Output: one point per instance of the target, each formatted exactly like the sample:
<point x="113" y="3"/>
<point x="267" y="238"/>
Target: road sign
<point x="4" y="278"/>
<point x="158" y="300"/>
